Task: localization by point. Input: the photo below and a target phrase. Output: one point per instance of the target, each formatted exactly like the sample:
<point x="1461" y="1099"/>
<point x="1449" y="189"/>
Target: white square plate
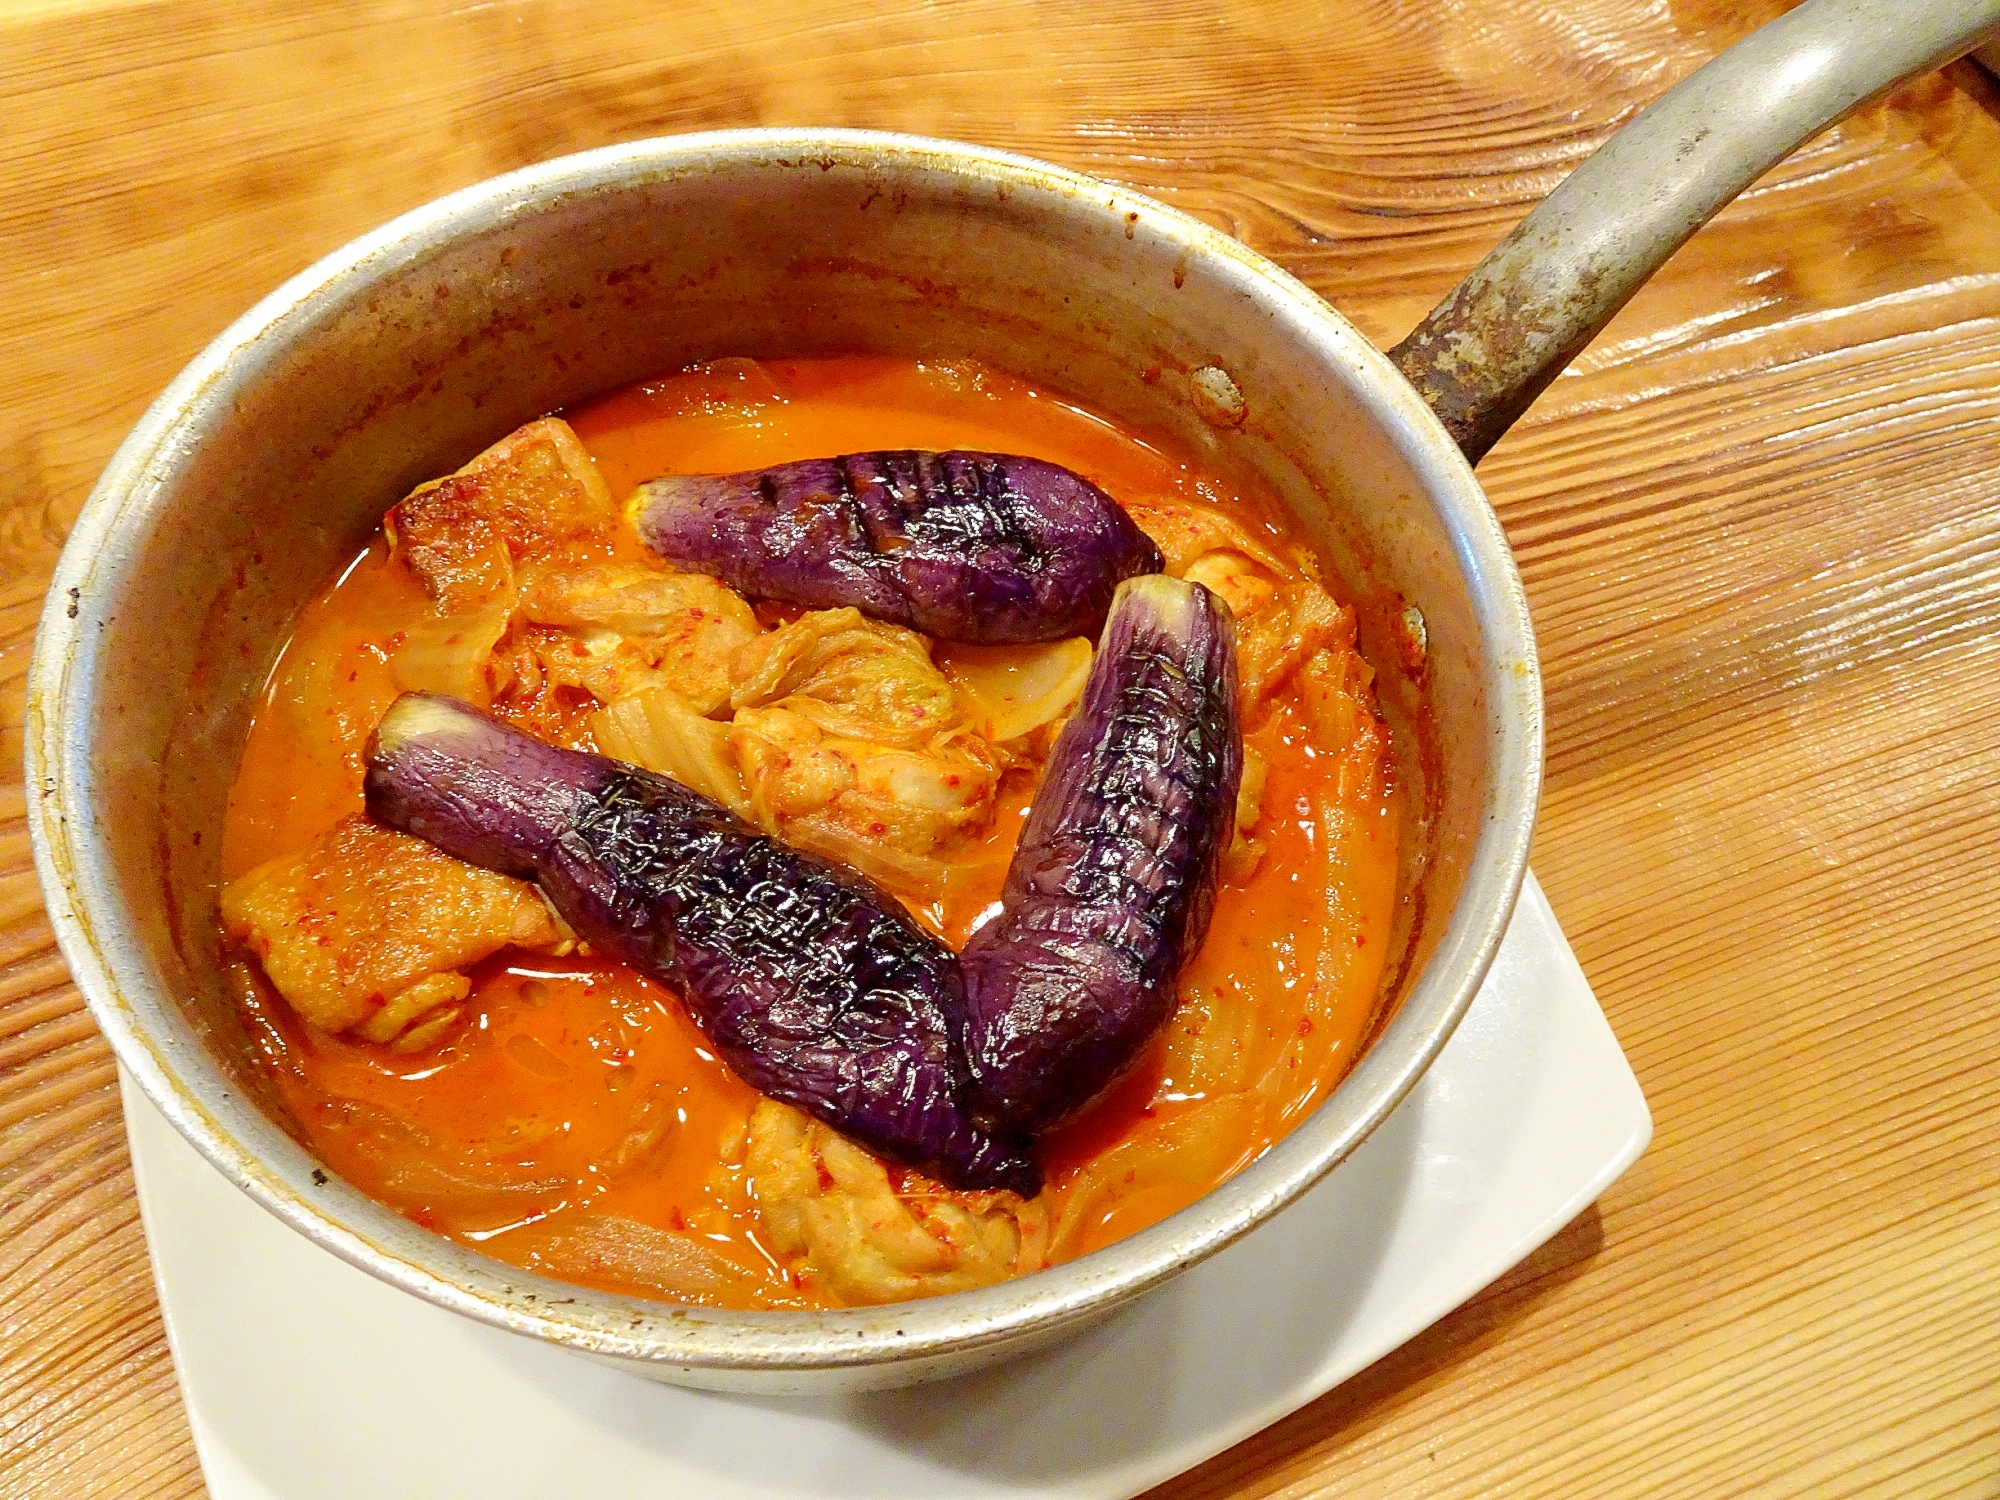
<point x="305" y="1378"/>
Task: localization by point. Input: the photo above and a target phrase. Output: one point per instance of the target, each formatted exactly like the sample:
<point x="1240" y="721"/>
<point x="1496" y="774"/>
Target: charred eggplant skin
<point x="1114" y="879"/>
<point x="816" y="987"/>
<point x="965" y="546"/>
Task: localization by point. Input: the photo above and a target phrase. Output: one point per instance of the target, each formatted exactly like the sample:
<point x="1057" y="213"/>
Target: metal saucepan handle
<point x="1527" y="310"/>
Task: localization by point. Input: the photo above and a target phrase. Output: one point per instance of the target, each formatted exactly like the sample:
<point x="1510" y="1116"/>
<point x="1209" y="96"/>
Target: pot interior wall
<point x="418" y="355"/>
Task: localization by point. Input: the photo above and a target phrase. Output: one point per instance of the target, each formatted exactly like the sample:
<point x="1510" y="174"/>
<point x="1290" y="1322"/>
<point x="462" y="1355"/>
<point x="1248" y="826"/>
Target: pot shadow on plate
<point x="1113" y="1399"/>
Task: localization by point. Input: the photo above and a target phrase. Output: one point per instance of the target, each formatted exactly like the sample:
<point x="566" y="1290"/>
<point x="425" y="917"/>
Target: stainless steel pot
<point x="277" y="450"/>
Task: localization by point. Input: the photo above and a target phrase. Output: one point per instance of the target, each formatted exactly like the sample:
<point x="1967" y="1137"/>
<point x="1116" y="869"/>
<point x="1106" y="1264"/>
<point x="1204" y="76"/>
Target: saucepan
<point x="276" y="451"/>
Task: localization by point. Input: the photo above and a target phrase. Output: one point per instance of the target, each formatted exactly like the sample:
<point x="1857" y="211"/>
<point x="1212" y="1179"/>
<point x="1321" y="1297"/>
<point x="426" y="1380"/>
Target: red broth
<point x="543" y="1072"/>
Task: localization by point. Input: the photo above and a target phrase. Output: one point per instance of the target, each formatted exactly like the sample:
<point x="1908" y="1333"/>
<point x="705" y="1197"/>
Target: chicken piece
<point x="833" y="1210"/>
<point x="640" y="627"/>
<point x="852" y="677"/>
<point x="531" y="494"/>
<point x="367" y="930"/>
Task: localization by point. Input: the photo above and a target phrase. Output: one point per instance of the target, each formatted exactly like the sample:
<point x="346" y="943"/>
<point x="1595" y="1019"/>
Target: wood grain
<point x="1759" y="523"/>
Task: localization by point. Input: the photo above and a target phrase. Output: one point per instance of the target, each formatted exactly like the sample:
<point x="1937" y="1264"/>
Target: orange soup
<point x="563" y="1113"/>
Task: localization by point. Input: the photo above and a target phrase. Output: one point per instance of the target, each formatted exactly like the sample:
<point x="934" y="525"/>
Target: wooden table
<point x="1760" y="524"/>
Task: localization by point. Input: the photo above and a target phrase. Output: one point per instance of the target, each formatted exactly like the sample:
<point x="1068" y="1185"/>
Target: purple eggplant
<point x="1114" y="878"/>
<point x="816" y="987"/>
<point x="980" y="547"/>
